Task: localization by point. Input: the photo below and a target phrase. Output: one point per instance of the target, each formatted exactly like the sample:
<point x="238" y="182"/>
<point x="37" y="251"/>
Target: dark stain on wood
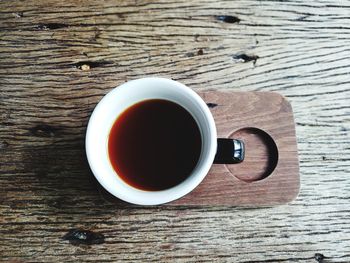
<point x="62" y="169"/>
<point x="87" y="65"/>
<point x="212" y="105"/>
<point x="44" y="130"/>
<point x="228" y="19"/>
<point x="166" y="246"/>
<point x="319" y="257"/>
<point x="245" y="58"/>
<point x="85" y="237"/>
<point x="192" y="54"/>
<point x="50" y="26"/>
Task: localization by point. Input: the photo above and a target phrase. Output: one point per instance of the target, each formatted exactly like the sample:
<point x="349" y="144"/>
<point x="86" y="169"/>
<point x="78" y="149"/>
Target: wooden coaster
<point x="269" y="174"/>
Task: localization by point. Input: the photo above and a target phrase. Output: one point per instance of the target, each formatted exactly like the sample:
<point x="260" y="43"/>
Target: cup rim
<point x="152" y="197"/>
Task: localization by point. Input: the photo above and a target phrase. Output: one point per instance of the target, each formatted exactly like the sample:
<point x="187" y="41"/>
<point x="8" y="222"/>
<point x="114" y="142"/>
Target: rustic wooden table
<point x="58" y="58"/>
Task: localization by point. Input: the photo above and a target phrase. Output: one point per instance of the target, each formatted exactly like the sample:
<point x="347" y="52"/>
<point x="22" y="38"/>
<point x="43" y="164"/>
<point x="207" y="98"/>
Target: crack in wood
<point x="212" y="105"/>
<point x="228" y="19"/>
<point x="245" y="58"/>
<point x="87" y="65"/>
<point x="50" y="26"/>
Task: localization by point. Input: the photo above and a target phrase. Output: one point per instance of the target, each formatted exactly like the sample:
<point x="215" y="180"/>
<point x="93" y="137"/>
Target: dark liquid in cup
<point x="154" y="145"/>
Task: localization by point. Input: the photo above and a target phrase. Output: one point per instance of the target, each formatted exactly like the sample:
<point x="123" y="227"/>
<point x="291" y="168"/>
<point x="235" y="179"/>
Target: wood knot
<point x="85" y="237"/>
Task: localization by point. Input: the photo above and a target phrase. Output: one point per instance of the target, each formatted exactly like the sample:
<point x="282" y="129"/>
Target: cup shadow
<point x="63" y="179"/>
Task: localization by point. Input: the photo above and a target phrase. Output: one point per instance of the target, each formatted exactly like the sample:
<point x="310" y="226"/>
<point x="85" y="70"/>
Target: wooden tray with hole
<point x="269" y="175"/>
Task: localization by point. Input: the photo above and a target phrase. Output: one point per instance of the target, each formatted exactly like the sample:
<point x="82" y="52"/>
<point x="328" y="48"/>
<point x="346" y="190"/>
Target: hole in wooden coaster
<point x="261" y="155"/>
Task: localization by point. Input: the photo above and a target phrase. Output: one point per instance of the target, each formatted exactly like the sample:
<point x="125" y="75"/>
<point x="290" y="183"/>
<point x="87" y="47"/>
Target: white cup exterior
<point x="117" y="101"/>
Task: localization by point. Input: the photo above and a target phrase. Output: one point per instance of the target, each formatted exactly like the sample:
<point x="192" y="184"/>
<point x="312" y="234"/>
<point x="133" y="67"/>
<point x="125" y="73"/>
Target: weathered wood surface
<point x="58" y="58"/>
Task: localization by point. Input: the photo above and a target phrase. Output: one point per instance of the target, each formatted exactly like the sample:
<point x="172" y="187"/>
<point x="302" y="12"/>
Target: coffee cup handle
<point x="229" y="151"/>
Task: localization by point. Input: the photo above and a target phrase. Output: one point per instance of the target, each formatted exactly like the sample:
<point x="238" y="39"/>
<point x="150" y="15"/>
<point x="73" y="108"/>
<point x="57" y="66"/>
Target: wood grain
<point x="58" y="58"/>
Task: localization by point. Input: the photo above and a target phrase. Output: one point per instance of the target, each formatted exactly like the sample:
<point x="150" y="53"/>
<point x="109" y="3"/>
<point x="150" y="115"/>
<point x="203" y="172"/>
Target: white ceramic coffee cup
<point x="115" y="103"/>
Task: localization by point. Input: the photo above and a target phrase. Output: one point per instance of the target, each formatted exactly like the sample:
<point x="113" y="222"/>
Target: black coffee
<point x="154" y="145"/>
